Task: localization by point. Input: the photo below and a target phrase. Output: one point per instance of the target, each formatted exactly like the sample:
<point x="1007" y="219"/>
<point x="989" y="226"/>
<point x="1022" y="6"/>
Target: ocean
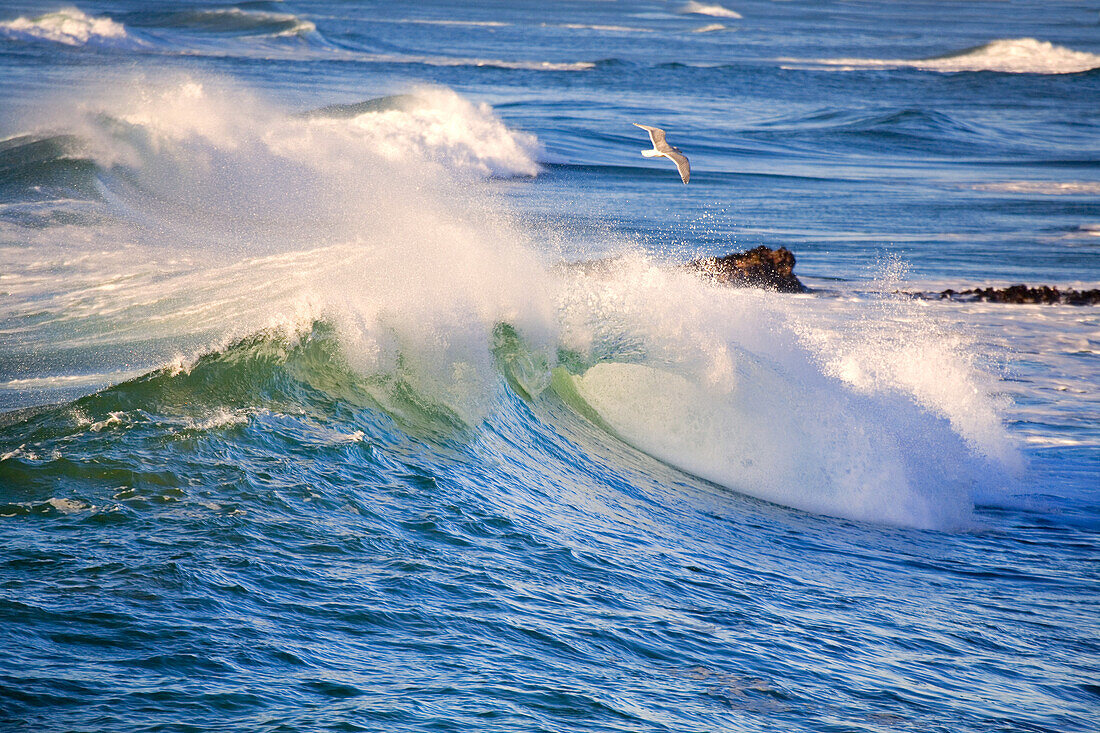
<point x="352" y="378"/>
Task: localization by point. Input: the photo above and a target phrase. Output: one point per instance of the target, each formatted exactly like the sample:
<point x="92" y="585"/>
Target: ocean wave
<point x="1009" y="55"/>
<point x="444" y="21"/>
<point x="33" y="167"/>
<point x="432" y="125"/>
<point x="1043" y="188"/>
<point x="437" y="124"/>
<point x="714" y="10"/>
<point x="317" y="269"/>
<point x="709" y="28"/>
<point x="598" y="27"/>
<point x="427" y="60"/>
<point x="71" y="27"/>
<point x="233" y="20"/>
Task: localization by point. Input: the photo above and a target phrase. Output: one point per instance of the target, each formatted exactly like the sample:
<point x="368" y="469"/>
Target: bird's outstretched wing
<point x="682" y="165"/>
<point x="656" y="136"/>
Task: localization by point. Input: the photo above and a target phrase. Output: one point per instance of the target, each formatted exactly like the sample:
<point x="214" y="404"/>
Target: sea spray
<point x="719" y="382"/>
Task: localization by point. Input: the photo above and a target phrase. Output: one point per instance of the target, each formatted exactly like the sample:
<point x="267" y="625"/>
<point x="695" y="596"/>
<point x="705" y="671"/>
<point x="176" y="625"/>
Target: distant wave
<point x="225" y="20"/>
<point x="713" y="10"/>
<point x="1046" y="188"/>
<point x="471" y="23"/>
<point x="70" y="27"/>
<point x="401" y="58"/>
<point x="1008" y="55"/>
<point x="597" y="27"/>
<point x="709" y="28"/>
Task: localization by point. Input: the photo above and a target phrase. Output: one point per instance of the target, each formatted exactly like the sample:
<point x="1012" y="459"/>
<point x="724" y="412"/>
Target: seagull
<point x="661" y="148"/>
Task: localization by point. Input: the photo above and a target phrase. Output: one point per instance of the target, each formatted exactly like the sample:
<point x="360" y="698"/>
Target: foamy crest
<point x="713" y="10"/>
<point x="1009" y="55"/>
<point x="69" y="26"/>
<point x="439" y="125"/>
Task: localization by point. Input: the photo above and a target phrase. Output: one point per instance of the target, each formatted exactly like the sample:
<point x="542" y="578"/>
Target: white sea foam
<point x="68" y="506"/>
<point x="20" y="452"/>
<point x="709" y="28"/>
<point x="712" y="9"/>
<point x="1043" y="188"/>
<point x="112" y="419"/>
<point x="219" y="419"/>
<point x="1008" y="55"/>
<point x="69" y="26"/>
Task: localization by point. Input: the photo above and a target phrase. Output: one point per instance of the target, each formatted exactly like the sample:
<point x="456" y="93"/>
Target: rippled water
<point x="349" y="379"/>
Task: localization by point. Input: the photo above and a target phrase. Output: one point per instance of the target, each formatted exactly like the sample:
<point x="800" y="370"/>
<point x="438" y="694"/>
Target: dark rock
<point x="1042" y="294"/>
<point x="760" y="267"/>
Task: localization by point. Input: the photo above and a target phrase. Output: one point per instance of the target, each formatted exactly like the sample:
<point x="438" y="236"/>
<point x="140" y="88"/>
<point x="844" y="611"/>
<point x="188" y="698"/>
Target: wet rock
<point x="760" y="267"/>
<point x="1020" y="293"/>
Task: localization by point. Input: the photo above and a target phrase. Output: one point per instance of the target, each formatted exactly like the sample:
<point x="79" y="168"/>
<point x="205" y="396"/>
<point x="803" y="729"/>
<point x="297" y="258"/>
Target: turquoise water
<point x="349" y="381"/>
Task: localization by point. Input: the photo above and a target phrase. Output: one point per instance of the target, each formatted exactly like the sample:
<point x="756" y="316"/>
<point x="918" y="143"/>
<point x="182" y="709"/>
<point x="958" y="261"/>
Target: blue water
<point x="349" y="379"/>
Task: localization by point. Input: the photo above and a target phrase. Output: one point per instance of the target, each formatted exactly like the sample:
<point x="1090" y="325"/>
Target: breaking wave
<point x="437" y="124"/>
<point x="403" y="58"/>
<point x="1044" y="188"/>
<point x="1010" y="55"/>
<point x="235" y="21"/>
<point x="70" y="27"/>
<point x="353" y="256"/>
<point x="712" y="9"/>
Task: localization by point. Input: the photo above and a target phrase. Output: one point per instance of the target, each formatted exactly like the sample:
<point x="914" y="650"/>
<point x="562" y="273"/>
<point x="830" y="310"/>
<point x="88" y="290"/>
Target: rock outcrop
<point x="1020" y="294"/>
<point x="773" y="269"/>
<point x="760" y="267"/>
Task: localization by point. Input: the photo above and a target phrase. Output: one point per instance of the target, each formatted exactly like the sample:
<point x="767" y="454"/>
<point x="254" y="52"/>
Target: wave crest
<point x="234" y="21"/>
<point x="437" y="124"/>
<point x="712" y="9"/>
<point x="1007" y="55"/>
<point x="69" y="26"/>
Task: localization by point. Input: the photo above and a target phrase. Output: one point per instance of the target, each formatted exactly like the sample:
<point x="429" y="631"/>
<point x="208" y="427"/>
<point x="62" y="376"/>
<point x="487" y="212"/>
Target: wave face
<point x="1008" y="55"/>
<point x="71" y="27"/>
<point x="233" y="21"/>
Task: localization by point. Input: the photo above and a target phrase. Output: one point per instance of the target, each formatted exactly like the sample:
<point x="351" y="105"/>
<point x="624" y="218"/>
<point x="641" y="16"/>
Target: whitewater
<point x="351" y="375"/>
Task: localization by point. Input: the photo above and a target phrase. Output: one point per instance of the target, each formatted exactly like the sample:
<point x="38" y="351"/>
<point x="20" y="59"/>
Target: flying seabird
<point x="661" y="148"/>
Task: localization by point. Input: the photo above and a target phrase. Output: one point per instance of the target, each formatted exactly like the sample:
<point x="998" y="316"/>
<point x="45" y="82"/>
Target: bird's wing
<point x="682" y="165"/>
<point x="656" y="136"/>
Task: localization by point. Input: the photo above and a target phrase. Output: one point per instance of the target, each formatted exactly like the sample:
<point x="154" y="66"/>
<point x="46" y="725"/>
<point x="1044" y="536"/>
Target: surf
<point x="440" y="308"/>
<point x="1005" y="55"/>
